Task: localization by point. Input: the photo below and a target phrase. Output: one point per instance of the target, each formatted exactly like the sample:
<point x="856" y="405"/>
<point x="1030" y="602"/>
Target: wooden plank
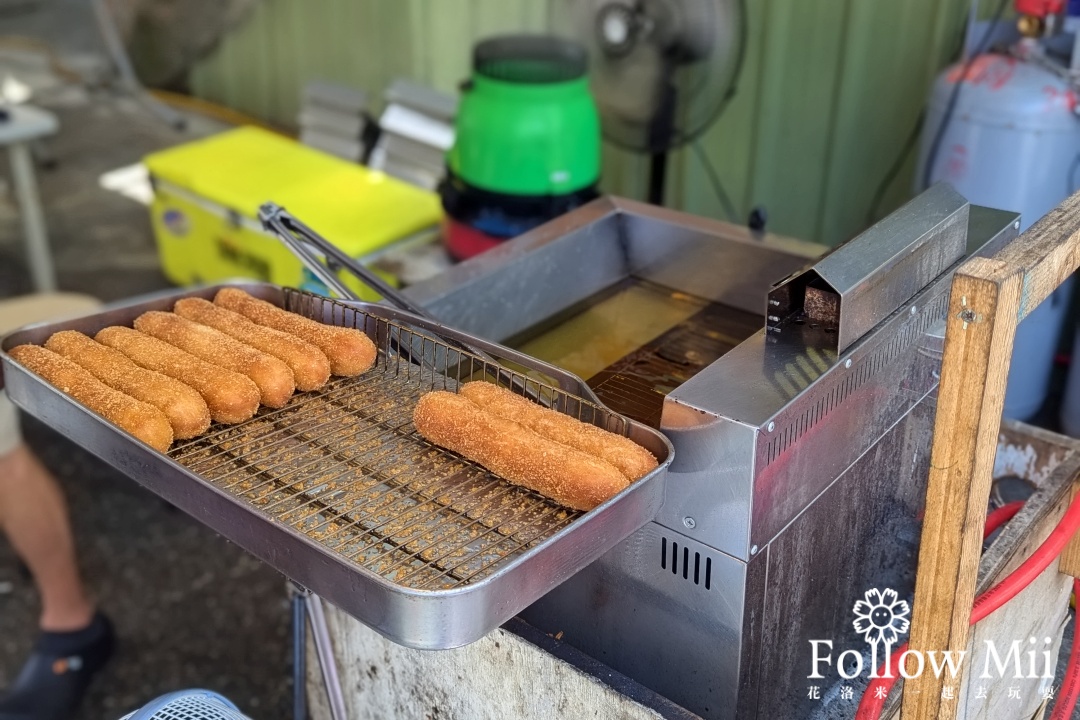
<point x="1069" y="562"/>
<point x="1040" y="612"/>
<point x="980" y="328"/>
<point x="1048" y="253"/>
<point x="1030" y="452"/>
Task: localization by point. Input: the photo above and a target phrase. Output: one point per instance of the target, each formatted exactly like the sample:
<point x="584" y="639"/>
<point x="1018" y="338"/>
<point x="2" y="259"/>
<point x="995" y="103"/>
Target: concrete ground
<point x="191" y="609"/>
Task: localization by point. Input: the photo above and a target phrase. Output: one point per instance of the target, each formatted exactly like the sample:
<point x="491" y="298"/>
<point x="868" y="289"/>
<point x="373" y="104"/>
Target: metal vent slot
<point x="701" y="572"/>
<point x="868" y="368"/>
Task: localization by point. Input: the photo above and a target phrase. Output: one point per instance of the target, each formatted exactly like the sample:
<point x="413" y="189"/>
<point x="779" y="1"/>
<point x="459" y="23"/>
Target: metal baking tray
<point x="337" y="490"/>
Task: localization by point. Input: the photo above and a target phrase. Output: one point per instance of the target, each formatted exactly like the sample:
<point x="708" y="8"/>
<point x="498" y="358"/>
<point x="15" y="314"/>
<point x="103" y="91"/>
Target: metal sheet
<point x="724" y="263"/>
<point x="860" y="283"/>
<point x="710" y="499"/>
<point x="537" y="274"/>
<point x="862" y="533"/>
<point x="586" y="251"/>
<point x="814" y="412"/>
<point x="661" y="607"/>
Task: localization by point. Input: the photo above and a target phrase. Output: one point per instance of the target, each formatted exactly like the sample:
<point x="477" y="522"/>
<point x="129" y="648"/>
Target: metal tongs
<point x="308" y="246"/>
<point x="299" y="238"/>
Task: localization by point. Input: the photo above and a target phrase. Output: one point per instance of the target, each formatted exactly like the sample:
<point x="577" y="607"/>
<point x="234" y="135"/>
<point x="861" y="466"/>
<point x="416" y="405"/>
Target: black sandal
<point x="57" y="673"/>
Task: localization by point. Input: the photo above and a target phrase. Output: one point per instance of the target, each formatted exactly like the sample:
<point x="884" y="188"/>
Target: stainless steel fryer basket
<point x="337" y="490"/>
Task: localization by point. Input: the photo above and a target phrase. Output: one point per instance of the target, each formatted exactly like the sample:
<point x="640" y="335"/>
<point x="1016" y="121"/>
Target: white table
<point x="23" y="125"/>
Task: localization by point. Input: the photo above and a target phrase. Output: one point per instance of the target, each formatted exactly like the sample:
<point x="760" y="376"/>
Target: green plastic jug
<point x="527" y="143"/>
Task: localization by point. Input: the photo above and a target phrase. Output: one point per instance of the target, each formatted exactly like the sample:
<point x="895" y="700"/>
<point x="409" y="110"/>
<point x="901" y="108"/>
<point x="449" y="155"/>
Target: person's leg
<point x="74" y="641"/>
<point x="34" y="518"/>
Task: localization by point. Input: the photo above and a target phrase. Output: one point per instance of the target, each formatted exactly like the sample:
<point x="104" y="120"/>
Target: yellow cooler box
<point x="207" y="195"/>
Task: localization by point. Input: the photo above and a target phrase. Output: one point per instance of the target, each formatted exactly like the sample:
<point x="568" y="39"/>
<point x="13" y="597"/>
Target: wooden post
<point x="1069" y="563"/>
<point x="989" y="298"/>
<point x="979" y="335"/>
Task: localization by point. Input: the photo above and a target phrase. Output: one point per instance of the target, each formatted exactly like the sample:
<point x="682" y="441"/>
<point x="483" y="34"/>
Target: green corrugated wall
<point x="829" y="91"/>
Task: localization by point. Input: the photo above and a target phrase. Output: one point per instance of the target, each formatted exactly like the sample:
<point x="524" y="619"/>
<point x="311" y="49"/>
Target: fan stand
<point x="657" y="177"/>
<point x="661" y="135"/>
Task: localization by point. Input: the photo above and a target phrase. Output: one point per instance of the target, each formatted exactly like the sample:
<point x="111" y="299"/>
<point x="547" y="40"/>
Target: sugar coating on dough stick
<point x="631" y="459"/>
<point x="310" y="366"/>
<point x="273" y="377"/>
<point x="231" y="397"/>
<point x="515" y="453"/>
<point x="350" y="351"/>
<point x="182" y="404"/>
<point x="144" y="421"/>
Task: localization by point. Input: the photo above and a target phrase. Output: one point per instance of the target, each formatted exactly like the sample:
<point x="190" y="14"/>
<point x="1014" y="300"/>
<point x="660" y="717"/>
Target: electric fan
<point x="188" y="705"/>
<point x="660" y="70"/>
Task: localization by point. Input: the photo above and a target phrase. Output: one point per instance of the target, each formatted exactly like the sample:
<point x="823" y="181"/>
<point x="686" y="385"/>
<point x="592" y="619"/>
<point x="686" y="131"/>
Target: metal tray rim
<point x="31" y="393"/>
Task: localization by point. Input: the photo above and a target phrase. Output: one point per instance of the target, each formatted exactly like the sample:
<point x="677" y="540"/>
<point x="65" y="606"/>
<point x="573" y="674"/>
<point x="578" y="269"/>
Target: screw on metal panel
<point x="914" y="310"/>
<point x="753" y="549"/>
<point x="1016" y="225"/>
<point x="847" y="363"/>
<point x="771" y="426"/>
<point x="689" y="522"/>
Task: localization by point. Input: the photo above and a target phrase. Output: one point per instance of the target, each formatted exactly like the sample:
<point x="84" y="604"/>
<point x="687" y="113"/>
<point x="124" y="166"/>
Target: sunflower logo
<point x="881" y="616"/>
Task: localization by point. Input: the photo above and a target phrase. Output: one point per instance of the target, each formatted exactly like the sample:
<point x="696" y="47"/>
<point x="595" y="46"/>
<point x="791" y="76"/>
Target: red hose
<point x="870" y="707"/>
<point x="999" y="517"/>
<point x="1070" y="686"/>
<point x="1032" y="568"/>
<point x="873" y="700"/>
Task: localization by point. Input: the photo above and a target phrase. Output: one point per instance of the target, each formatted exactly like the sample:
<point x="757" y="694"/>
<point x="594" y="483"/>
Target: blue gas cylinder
<point x="1012" y="142"/>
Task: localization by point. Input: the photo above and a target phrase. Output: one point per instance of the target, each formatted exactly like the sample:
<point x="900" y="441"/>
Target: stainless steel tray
<point x="337" y="490"/>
